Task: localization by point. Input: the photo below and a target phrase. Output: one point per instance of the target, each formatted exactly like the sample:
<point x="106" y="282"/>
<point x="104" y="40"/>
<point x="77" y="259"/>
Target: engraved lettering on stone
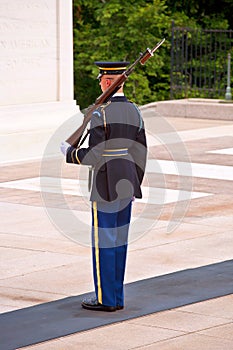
<point x="28" y="46"/>
<point x="24" y="44"/>
<point x="20" y="25"/>
<point x="19" y="5"/>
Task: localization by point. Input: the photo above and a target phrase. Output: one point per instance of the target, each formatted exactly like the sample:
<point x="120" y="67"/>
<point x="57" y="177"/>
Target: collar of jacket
<point x="118" y="99"/>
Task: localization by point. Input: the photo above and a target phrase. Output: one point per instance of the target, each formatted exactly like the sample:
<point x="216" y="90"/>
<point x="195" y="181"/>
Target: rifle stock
<point x="76" y="138"/>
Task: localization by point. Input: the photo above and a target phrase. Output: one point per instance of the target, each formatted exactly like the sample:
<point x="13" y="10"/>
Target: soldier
<point x="117" y="152"/>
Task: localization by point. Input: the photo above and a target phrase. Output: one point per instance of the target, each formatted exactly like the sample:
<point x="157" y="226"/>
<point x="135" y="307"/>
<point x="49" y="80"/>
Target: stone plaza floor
<point x="185" y="220"/>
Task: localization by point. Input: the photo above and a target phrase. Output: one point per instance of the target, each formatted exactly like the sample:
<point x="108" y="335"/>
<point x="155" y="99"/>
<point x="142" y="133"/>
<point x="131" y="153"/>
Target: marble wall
<point x="29" y="69"/>
<point x="36" y="73"/>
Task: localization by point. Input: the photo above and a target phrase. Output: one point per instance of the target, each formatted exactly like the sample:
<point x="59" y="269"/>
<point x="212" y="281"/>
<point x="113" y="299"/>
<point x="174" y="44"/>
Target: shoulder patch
<point x="97" y="113"/>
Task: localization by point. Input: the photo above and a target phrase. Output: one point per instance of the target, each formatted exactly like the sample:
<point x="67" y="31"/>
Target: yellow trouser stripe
<point x="96" y="237"/>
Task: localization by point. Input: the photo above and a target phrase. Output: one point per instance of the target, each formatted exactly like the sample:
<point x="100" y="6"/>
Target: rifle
<point x="76" y="139"/>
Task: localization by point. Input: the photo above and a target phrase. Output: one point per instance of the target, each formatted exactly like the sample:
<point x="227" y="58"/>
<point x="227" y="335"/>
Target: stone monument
<point x="36" y="75"/>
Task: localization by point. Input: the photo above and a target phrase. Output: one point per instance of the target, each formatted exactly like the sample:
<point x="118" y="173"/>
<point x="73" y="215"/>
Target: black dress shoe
<point x="119" y="307"/>
<point x="94" y="305"/>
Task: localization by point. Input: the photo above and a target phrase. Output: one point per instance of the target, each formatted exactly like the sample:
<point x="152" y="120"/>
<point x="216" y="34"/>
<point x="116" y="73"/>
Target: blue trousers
<point x="110" y="226"/>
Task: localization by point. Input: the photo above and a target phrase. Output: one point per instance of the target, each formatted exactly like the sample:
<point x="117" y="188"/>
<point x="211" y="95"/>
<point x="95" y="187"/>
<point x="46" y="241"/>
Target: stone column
<point x="36" y="75"/>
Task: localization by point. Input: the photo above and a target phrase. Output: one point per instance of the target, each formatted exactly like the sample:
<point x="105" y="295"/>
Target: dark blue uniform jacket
<point x="117" y="151"/>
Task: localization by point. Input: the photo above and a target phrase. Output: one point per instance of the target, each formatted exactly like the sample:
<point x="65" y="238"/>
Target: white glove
<point x="64" y="147"/>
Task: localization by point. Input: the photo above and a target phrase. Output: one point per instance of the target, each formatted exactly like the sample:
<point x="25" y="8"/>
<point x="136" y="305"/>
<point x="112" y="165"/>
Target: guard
<point x="117" y="153"/>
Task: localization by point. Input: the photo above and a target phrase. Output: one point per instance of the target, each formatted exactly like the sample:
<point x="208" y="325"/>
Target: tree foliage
<point x="120" y="30"/>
